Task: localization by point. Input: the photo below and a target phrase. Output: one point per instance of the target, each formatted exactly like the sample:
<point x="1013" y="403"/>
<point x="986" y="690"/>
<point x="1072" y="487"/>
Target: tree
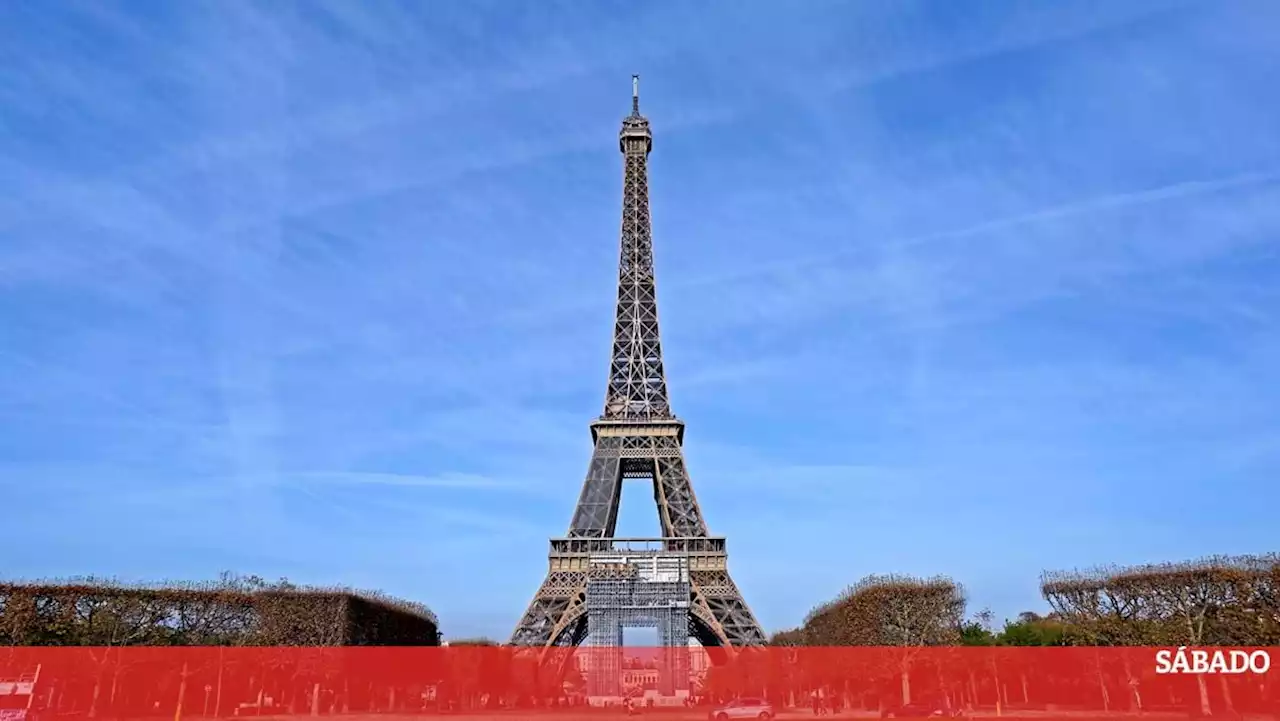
<point x="789" y="637"/>
<point x="904" y="612"/>
<point x="1032" y="629"/>
<point x="975" y="633"/>
<point x="1221" y="600"/>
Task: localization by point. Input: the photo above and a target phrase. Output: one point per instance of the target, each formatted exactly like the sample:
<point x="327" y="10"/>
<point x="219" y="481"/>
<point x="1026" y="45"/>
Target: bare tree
<point x="1226" y="600"/>
<point x="232" y="611"/>
<point x="905" y="612"/>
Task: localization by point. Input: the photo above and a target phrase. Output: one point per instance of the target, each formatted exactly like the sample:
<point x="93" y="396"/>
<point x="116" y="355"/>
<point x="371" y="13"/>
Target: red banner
<point x="777" y="682"/>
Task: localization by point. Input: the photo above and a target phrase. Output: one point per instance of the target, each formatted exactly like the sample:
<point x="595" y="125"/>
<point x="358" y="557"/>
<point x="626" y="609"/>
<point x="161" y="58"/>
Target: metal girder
<point x="637" y="437"/>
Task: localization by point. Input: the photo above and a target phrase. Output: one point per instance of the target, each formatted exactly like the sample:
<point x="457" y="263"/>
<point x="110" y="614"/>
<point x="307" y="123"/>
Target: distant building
<point x="639" y="669"/>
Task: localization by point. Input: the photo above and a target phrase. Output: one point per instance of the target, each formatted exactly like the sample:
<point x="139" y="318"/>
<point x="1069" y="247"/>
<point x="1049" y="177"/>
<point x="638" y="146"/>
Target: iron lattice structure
<point x="637" y="437"/>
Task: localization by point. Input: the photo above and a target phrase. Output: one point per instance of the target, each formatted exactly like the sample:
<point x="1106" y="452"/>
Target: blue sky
<point x="324" y="290"/>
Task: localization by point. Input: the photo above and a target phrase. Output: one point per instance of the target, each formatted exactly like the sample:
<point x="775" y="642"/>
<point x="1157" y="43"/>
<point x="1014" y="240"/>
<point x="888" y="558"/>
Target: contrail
<point x="1115" y="201"/>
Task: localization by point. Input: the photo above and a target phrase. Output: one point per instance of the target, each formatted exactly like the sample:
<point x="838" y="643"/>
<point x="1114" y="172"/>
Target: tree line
<point x="231" y="611"/>
<point x="885" y="640"/>
<point x="1220" y="600"/>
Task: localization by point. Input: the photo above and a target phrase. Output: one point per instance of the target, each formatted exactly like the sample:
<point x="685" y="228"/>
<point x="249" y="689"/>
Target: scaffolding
<point x="651" y="590"/>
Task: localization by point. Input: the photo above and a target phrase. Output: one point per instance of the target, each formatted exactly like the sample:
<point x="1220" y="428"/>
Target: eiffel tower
<point x="637" y="437"/>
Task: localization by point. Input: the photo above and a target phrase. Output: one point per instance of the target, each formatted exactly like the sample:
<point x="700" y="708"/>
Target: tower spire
<point x="635" y="96"/>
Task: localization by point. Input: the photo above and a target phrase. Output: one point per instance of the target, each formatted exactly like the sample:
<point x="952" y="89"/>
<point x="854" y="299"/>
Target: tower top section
<point x="637" y="383"/>
<point x="635" y="136"/>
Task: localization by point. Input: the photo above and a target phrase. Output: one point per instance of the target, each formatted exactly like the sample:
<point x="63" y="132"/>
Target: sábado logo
<point x="1199" y="660"/>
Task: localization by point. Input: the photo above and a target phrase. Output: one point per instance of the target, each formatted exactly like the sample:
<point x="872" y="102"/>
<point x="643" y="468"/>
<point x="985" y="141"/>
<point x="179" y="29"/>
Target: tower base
<point x="715" y="615"/>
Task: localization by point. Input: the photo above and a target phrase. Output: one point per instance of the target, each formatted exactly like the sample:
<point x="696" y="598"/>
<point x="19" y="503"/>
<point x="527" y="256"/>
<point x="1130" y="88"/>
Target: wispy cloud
<point x="448" y="480"/>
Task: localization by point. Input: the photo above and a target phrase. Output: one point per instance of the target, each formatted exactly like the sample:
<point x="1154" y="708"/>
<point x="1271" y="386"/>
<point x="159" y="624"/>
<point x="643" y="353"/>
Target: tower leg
<point x="718" y="596"/>
<point x="555" y="616"/>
